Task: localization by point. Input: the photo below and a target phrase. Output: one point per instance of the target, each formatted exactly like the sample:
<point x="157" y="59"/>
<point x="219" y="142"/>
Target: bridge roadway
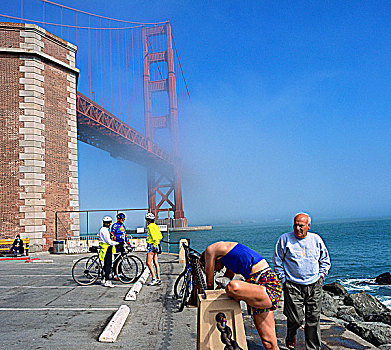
<point x="99" y="128"/>
<point x="41" y="307"/>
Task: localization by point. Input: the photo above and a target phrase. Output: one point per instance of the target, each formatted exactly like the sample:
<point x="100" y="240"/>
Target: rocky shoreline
<point x="360" y="313"/>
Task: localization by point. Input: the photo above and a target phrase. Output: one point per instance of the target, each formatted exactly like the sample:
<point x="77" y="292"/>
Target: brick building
<point x="38" y="144"/>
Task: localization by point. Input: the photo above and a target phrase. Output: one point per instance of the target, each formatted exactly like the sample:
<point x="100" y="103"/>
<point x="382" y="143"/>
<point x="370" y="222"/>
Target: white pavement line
<point x="110" y="334"/>
<point x="132" y="293"/>
<point x="56" y="287"/>
<point x="57" y="309"/>
<point x="38" y="287"/>
<point x="41" y="275"/>
<point x="39" y="261"/>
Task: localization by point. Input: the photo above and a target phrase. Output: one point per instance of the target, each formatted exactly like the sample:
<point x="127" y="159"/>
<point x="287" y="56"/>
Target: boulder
<point x="385" y="317"/>
<point x="329" y="305"/>
<point x="349" y="314"/>
<point x="335" y="288"/>
<point x="375" y="332"/>
<point x="384" y="278"/>
<point x="365" y="304"/>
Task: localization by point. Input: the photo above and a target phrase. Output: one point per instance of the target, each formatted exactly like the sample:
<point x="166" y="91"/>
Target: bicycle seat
<point x="93" y="249"/>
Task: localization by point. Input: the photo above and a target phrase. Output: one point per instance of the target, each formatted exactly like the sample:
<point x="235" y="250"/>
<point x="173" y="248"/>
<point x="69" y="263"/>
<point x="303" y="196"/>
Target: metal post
<point x="56" y="225"/>
<point x="168" y="230"/>
<point x="87" y="228"/>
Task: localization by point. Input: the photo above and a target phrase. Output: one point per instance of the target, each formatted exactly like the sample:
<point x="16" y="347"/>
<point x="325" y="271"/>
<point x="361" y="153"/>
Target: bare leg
<point x="156" y="262"/>
<point x="253" y="294"/>
<point x="265" y="325"/>
<point x="150" y="264"/>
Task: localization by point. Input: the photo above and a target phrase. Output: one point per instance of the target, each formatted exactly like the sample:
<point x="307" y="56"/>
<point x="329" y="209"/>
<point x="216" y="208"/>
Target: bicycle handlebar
<point x="191" y="250"/>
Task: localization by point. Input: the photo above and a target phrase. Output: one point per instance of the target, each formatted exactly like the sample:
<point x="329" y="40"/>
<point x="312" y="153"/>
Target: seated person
<point x="17" y="246"/>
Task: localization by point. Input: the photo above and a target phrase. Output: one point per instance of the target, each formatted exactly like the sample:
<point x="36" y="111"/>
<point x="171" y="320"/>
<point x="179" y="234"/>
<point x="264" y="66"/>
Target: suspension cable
<point x="95" y="15"/>
<point x="67" y="25"/>
<point x="180" y="65"/>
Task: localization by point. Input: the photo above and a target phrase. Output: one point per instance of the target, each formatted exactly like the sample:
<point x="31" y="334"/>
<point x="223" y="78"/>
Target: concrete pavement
<point x="41" y="307"/>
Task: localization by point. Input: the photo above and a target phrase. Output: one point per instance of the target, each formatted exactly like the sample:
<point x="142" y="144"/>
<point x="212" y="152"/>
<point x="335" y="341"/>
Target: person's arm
<point x="278" y="258"/>
<point x="324" y="260"/>
<point x="107" y="238"/>
<point x="209" y="267"/>
<point x="113" y="233"/>
<point x="230" y="274"/>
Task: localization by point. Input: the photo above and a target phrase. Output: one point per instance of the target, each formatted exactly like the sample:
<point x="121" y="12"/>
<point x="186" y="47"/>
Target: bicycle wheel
<point x="186" y="292"/>
<point x="199" y="275"/>
<point x="86" y="270"/>
<point x="140" y="264"/>
<point x="126" y="269"/>
<point x="178" y="285"/>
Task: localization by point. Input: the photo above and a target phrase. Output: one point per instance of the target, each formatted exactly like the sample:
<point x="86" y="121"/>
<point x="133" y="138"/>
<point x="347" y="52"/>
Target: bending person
<point x="261" y="290"/>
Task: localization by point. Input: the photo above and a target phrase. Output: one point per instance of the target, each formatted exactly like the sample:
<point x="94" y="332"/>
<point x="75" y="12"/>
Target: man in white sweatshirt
<point x="301" y="262"/>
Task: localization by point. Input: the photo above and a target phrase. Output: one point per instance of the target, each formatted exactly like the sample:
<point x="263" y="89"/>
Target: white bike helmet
<point x="107" y="219"/>
<point x="149" y="216"/>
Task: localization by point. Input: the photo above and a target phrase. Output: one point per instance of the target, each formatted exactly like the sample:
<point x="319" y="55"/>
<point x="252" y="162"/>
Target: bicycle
<point x="88" y="269"/>
<point x="190" y="278"/>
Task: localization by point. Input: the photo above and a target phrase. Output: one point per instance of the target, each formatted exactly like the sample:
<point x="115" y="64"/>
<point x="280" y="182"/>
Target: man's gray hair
<point x="307" y="215"/>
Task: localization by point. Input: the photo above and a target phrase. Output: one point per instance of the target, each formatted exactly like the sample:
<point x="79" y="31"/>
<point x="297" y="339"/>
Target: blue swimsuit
<point x="241" y="259"/>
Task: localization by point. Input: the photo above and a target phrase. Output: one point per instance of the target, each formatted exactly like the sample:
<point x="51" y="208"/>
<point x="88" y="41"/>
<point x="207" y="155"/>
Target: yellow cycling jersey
<point x="154" y="235"/>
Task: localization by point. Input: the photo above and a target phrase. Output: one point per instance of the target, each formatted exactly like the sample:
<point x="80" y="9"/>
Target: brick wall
<point x="39" y="160"/>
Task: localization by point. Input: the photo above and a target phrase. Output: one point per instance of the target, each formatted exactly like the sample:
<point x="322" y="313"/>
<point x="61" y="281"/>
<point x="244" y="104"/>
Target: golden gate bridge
<point x="126" y="101"/>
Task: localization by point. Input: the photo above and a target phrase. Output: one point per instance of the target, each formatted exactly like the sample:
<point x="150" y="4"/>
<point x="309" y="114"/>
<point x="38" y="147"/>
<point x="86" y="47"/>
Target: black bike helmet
<point x="120" y="216"/>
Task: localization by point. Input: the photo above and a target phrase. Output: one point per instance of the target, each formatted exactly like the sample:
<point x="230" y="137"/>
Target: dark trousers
<point x="107" y="262"/>
<point x="304" y="301"/>
<point x="119" y="249"/>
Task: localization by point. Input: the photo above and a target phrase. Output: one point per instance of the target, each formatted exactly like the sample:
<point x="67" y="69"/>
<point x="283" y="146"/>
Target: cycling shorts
<point x="269" y="280"/>
<point x="151" y="248"/>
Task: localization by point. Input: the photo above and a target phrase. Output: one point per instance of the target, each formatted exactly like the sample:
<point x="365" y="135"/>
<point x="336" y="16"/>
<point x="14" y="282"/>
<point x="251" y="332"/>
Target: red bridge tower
<point x="162" y="186"/>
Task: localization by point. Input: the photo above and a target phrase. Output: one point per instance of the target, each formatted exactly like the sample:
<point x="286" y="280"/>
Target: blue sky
<point x="290" y="110"/>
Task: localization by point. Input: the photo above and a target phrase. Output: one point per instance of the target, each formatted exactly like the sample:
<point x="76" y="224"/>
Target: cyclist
<point x="154" y="236"/>
<point x="261" y="290"/>
<point x="118" y="232"/>
<point x="107" y="250"/>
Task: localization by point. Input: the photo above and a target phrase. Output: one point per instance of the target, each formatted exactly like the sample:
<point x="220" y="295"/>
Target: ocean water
<point x="360" y="250"/>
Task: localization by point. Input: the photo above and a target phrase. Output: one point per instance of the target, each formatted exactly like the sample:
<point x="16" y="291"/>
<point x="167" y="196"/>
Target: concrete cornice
<point x="18" y="51"/>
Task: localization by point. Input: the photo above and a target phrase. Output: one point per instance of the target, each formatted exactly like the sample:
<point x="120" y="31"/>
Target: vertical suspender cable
<point x="43" y="12"/>
<point x="101" y="64"/>
<point x="61" y="22"/>
<point x="119" y="76"/>
<point x="111" y="69"/>
<point x="89" y="53"/>
<point x="21" y="11"/>
<point x="134" y="84"/>
<point x="97" y="66"/>
<point x="77" y="42"/>
<point x="127" y="74"/>
<point x="104" y="91"/>
<point x="140" y="88"/>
